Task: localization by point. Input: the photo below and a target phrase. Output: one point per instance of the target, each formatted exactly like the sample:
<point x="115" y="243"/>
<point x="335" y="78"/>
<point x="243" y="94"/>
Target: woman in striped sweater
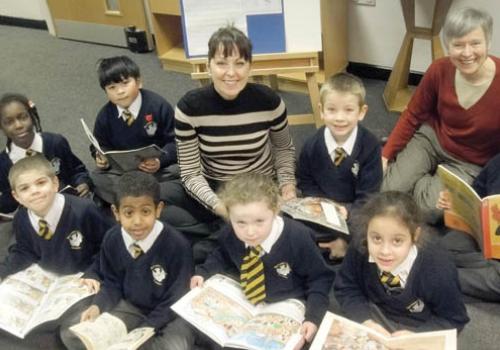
<point x="231" y="126"/>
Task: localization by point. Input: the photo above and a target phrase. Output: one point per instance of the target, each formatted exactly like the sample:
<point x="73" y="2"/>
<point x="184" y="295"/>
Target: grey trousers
<point x="479" y="278"/>
<point x="414" y="169"/>
<point x="7" y="238"/>
<point x="176" y="335"/>
<point x="106" y="180"/>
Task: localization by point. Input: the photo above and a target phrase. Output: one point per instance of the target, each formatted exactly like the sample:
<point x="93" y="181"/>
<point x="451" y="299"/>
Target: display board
<point x="273" y="26"/>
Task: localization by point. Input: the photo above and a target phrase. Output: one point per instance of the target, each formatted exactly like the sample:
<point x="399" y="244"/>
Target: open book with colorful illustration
<point x="221" y="311"/>
<point x="108" y="332"/>
<point x="321" y="211"/>
<point x="125" y="160"/>
<point x="336" y="332"/>
<point x="471" y="214"/>
<point x="34" y="296"/>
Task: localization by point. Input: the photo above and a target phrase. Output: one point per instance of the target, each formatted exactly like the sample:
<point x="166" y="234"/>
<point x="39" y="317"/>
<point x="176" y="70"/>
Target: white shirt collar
<point x="134" y="107"/>
<point x="17" y="153"/>
<point x="403" y="269"/>
<point x="274" y="235"/>
<point x="53" y="215"/>
<point x="348" y="145"/>
<point x="147" y="242"/>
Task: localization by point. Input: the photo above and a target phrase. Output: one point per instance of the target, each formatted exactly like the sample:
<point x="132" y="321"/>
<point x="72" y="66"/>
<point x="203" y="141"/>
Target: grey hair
<point x="462" y="21"/>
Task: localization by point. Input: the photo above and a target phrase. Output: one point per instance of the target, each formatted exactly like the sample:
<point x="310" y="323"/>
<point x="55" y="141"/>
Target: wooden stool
<point x="273" y="64"/>
<point x="397" y="94"/>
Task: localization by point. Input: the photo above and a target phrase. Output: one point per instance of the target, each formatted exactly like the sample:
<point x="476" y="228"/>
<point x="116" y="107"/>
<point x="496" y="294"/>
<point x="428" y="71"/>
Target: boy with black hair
<point x="133" y="118"/>
<point x="146" y="267"/>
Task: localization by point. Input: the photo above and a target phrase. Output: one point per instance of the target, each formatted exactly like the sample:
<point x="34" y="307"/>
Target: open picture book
<point x="34" y="296"/>
<point x="221" y="311"/>
<point x="125" y="160"/>
<point x="336" y="332"/>
<point x="108" y="332"/>
<point x="471" y="214"/>
<point x="320" y="211"/>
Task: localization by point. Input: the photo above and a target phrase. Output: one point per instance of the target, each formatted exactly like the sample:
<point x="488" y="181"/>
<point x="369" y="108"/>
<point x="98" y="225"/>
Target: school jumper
<point x="357" y="176"/>
<point x="430" y="300"/>
<point x="308" y="278"/>
<point x="57" y="254"/>
<point x="114" y="134"/>
<point x="69" y="168"/>
<point x="133" y="279"/>
<point x="478" y="276"/>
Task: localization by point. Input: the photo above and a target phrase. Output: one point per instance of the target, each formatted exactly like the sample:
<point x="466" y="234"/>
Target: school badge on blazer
<point x="56" y="164"/>
<point x="355" y="169"/>
<point x="283" y="269"/>
<point x="75" y="239"/>
<point x="416" y="307"/>
<point x="150" y="125"/>
<point x="159" y="274"/>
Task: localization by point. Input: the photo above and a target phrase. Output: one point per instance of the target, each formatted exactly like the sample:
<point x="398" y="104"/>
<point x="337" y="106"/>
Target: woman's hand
<point x="220" y="210"/>
<point x="288" y="192"/>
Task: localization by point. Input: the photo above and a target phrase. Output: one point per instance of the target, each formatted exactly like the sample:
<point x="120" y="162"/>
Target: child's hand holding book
<point x="150" y="165"/>
<point x="90" y="314"/>
<point x="101" y="161"/>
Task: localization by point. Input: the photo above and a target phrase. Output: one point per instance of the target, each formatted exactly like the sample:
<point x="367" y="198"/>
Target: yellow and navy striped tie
<point x="136" y="250"/>
<point x="340" y="155"/>
<point x="30" y="152"/>
<point x="129" y="118"/>
<point x="44" y="230"/>
<point x="390" y="280"/>
<point x="252" y="278"/>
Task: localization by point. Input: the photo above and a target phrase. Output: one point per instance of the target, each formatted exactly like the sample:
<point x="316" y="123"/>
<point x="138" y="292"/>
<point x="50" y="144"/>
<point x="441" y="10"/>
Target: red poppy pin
<point x="149" y="118"/>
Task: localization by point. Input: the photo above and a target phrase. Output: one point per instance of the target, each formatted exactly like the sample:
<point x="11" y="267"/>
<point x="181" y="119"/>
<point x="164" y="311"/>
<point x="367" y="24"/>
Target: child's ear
<point x="139" y="82"/>
<point x="417" y="234"/>
<point x="362" y="112"/>
<point x="115" y="211"/>
<point x="14" y="194"/>
<point x="159" y="208"/>
<point x="320" y="106"/>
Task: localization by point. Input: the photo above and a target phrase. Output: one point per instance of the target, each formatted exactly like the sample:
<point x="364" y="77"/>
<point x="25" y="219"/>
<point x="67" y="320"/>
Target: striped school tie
<point x="30" y="152"/>
<point x="340" y="155"/>
<point x="390" y="280"/>
<point x="129" y="118"/>
<point x="44" y="230"/>
<point x="136" y="250"/>
<point x="252" y="279"/>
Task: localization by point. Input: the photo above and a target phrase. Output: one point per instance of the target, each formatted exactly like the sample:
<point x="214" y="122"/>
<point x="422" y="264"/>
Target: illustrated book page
<point x="34" y="296"/>
<point x="321" y="211"/>
<point x="108" y="332"/>
<point x="480" y="218"/>
<point x="221" y="311"/>
<point x="336" y="332"/>
<point x="125" y="160"/>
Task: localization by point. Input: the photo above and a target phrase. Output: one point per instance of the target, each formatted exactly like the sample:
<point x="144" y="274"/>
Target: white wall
<point x="376" y="32"/>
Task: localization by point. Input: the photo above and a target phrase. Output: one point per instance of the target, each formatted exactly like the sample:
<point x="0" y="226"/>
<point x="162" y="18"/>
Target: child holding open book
<point x="146" y="266"/>
<point x="275" y="258"/>
<point x="134" y="117"/>
<point x="391" y="280"/>
<point x="478" y="276"/>
<point x="340" y="161"/>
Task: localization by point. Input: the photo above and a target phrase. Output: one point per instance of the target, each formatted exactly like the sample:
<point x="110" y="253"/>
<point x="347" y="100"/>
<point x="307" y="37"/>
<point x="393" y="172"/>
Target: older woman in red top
<point x="454" y="116"/>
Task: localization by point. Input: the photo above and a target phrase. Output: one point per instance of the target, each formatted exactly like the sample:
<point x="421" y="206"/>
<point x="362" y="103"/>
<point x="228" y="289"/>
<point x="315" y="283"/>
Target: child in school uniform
<point x="61" y="233"/>
<point x="291" y="264"/>
<point x="391" y="280"/>
<point x="146" y="266"/>
<point x="134" y="117"/>
<point x="20" y="123"/>
<point x="341" y="161"/>
<point x="479" y="277"/>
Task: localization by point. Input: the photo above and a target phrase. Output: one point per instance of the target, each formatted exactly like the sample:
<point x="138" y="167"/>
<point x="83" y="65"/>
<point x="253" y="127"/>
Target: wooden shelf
<point x="175" y="60"/>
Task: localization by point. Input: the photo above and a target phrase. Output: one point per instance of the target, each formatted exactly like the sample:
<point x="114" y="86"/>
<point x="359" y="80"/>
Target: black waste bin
<point x="136" y="40"/>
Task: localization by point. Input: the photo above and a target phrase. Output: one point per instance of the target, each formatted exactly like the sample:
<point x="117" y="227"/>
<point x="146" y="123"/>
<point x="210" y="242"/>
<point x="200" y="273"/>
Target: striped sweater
<point x="217" y="139"/>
